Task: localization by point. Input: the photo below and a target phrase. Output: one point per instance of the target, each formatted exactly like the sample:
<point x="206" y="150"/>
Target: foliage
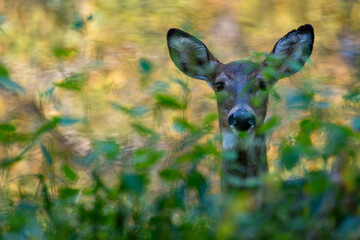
<point x="150" y="167"/>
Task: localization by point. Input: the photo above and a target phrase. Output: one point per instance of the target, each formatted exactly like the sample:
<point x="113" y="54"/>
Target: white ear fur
<point x="184" y="45"/>
<point x="190" y="55"/>
<point x="293" y="44"/>
<point x="294" y="49"/>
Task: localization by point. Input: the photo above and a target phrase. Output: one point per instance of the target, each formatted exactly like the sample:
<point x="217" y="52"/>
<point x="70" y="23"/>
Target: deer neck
<point x="250" y="154"/>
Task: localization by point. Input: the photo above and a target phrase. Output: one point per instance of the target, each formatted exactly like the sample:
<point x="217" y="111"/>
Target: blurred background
<point x="118" y="51"/>
<point x="88" y="91"/>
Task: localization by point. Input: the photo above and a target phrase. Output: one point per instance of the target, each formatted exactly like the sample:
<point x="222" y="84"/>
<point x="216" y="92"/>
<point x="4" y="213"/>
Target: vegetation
<point x="101" y="137"/>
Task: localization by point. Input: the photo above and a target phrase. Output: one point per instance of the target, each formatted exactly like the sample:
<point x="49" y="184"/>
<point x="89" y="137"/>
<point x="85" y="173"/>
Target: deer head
<point x="241" y="86"/>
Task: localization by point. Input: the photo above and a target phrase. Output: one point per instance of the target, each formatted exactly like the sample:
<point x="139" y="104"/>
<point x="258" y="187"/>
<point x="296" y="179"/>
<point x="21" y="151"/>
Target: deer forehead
<point x="238" y="70"/>
<point x="237" y="75"/>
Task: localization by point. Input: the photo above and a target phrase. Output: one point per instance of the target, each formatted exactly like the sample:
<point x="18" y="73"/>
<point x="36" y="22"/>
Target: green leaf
<point x="12" y="137"/>
<point x="139" y="111"/>
<point x="144" y="158"/>
<point x="6" y="127"/>
<point x="3" y="71"/>
<point x="120" y="107"/>
<point x="47" y="126"/>
<point x="356" y="123"/>
<point x="169" y="101"/>
<point x="258" y="57"/>
<point x="318" y="182"/>
<point x="349" y="227"/>
<point x="6" y="162"/>
<point x="48" y="92"/>
<point x="195" y="179"/>
<point x="210" y="119"/>
<point x="135" y="111"/>
<point x="310" y="125"/>
<point x="62" y="53"/>
<point x="90" y="17"/>
<point x="145" y="66"/>
<point x="338" y="137"/>
<point x="78" y="23"/>
<point x="294" y="65"/>
<point x="11" y="85"/>
<point x="66" y="192"/>
<point x="88" y="159"/>
<point x="134" y="183"/>
<point x="303" y="139"/>
<point x="158" y="87"/>
<point x="142" y="130"/>
<point x="171" y="175"/>
<point x="290" y="156"/>
<point x="198" y="181"/>
<point x="109" y="148"/>
<point x="268" y="125"/>
<point x="66" y="121"/>
<point x="69" y="173"/>
<point x="74" y="82"/>
<point x="170" y="201"/>
<point x="229" y="156"/>
<point x="353" y="95"/>
<point x="46" y="154"/>
<point x="270" y="73"/>
<point x="27" y="207"/>
<point x="182" y="125"/>
<point x="7" y="83"/>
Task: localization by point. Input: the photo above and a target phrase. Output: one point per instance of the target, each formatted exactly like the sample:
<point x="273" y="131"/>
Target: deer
<point x="242" y="92"/>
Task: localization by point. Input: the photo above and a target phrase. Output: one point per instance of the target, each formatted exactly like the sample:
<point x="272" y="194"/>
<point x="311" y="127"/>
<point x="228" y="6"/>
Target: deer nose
<point x="242" y="120"/>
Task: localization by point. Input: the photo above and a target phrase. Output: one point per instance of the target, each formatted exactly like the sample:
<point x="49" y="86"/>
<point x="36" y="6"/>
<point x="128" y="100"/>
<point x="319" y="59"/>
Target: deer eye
<point x="219" y="86"/>
<point x="262" y="85"/>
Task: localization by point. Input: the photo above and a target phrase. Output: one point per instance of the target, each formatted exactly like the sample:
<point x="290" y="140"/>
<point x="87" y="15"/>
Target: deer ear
<point x="293" y="50"/>
<point x="190" y="55"/>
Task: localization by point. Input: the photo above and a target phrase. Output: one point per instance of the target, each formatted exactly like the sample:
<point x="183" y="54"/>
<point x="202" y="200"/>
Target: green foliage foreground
<point x="321" y="205"/>
<point x="158" y="178"/>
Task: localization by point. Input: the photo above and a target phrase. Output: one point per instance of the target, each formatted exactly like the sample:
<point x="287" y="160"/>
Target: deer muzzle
<point x="242" y="120"/>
